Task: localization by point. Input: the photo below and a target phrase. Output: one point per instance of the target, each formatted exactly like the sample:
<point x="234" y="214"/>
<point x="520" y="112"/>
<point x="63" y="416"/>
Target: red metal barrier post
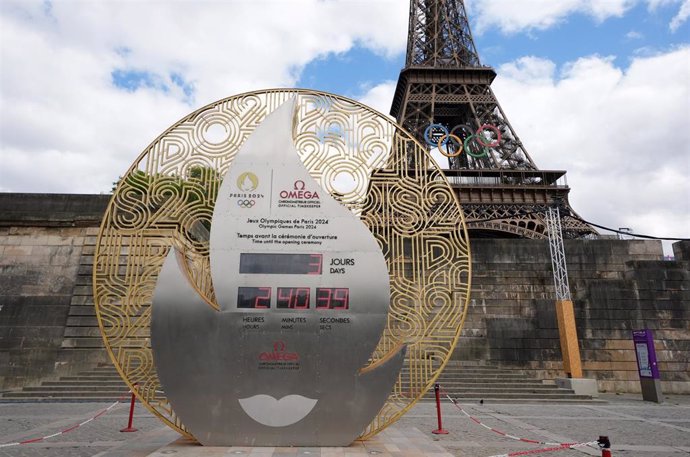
<point x="439" y="430"/>
<point x="129" y="427"/>
<point x="605" y="446"/>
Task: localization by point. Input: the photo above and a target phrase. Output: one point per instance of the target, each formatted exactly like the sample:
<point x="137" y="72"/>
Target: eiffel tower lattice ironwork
<point x="444" y="99"/>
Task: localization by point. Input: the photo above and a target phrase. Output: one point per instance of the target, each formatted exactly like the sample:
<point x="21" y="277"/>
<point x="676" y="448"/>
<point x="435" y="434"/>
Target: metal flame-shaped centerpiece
<point x="301" y="301"/>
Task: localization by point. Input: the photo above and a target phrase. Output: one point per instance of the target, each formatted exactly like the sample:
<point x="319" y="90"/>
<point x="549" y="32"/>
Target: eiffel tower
<point x="444" y="99"/>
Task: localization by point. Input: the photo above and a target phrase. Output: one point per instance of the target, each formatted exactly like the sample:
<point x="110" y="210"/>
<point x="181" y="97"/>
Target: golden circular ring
<point x="167" y="197"/>
<point x="450" y="136"/>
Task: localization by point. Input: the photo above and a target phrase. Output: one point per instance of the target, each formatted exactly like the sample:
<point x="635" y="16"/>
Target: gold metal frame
<point x="167" y="196"/>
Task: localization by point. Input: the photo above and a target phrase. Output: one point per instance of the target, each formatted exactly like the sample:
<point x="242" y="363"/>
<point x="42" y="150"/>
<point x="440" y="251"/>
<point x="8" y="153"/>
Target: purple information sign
<point x="646" y="356"/>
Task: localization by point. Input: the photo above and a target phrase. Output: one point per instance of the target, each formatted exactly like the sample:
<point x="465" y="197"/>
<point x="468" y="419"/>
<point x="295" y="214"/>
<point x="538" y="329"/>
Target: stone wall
<point x="41" y="244"/>
<point x="617" y="286"/>
<point x="48" y="325"/>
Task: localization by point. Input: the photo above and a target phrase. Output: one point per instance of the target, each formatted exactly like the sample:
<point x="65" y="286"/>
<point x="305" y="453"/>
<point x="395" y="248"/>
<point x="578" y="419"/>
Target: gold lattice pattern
<point x="168" y="194"/>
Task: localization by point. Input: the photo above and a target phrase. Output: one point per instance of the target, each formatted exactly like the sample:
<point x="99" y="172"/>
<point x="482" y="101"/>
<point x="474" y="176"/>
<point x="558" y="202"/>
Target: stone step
<point x="507" y="390"/>
<point x="95" y="377"/>
<point x="82" y="343"/>
<point x="519" y="395"/>
<point x="485" y="379"/>
<point x="483" y="382"/>
<point x="111" y="394"/>
<point x="62" y="382"/>
<point x="464" y="366"/>
<point x="460" y="369"/>
<point x="454" y="390"/>
<point x="486" y="376"/>
<point x="482" y="369"/>
<point x="450" y="365"/>
<point x="444" y="380"/>
<point x="451" y="386"/>
<point x="92" y="372"/>
<point x="512" y="374"/>
<point x="481" y="376"/>
<point x="97" y="373"/>
<point x="72" y="388"/>
<point x="500" y="387"/>
<point x="537" y="401"/>
<point x="65" y="399"/>
<point x="102" y="383"/>
<point x="107" y="371"/>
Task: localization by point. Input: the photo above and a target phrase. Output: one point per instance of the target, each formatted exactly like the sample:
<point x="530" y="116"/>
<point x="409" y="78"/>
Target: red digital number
<point x="315" y="264"/>
<point x="283" y="299"/>
<point x="323" y="298"/>
<point x="263" y="299"/>
<point x="332" y="298"/>
<point x="342" y="298"/>
<point x="293" y="298"/>
<point x="302" y="294"/>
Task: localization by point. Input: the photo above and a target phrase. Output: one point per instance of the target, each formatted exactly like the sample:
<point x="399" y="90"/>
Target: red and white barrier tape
<point x="67" y="430"/>
<point x="541" y="451"/>
<point x="558" y="446"/>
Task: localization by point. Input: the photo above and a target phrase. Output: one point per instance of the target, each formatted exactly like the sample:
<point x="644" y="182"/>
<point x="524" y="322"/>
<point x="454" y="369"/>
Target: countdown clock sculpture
<point x="271" y="261"/>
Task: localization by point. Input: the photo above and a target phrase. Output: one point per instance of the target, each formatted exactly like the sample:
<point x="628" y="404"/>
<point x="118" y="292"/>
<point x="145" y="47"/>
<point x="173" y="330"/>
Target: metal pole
<point x="572" y="363"/>
<point x="439" y="430"/>
<point x="129" y="427"/>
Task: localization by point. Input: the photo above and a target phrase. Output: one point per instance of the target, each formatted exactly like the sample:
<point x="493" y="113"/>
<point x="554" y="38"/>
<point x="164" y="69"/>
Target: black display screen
<point x="293" y="297"/>
<point x="254" y="297"/>
<point x="332" y="298"/>
<point x="281" y="264"/>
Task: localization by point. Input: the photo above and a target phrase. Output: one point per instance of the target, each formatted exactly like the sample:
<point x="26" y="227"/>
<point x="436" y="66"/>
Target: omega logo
<point x="279" y="353"/>
<point x="298" y="192"/>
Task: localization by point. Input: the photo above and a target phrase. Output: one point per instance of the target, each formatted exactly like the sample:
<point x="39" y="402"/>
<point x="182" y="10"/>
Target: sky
<point x="600" y="88"/>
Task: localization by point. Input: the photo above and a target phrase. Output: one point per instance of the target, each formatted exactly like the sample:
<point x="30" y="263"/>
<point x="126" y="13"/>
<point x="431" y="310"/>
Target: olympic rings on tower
<point x="437" y="135"/>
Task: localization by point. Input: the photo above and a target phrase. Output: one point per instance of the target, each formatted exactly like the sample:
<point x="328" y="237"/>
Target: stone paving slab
<point x="636" y="429"/>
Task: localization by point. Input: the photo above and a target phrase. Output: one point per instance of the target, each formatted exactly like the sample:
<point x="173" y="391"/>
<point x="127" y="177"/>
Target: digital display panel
<point x="254" y="297"/>
<point x="281" y="264"/>
<point x="332" y="298"/>
<point x="293" y="297"/>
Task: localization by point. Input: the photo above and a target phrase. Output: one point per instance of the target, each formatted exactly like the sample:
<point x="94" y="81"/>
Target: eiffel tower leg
<point x="568" y="335"/>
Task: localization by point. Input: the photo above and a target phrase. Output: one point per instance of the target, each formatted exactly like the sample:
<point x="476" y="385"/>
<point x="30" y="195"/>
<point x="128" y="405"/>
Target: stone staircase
<point x="474" y="383"/>
<point x="462" y="382"/>
<point x="100" y="384"/>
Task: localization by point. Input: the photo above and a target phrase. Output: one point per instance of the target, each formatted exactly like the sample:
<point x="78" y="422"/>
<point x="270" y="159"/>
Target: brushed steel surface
<point x="275" y="377"/>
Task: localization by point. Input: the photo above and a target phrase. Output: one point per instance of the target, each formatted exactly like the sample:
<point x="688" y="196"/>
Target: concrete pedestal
<point x="392" y="442"/>
<point x="581" y="386"/>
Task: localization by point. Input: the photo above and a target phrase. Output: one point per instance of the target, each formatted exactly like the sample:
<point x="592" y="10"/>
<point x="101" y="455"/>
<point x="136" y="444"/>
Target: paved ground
<point x="636" y="428"/>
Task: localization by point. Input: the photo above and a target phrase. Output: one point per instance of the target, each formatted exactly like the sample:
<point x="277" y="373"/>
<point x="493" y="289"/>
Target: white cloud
<point x="380" y="97"/>
<point x="528" y="69"/>
<point x="514" y="16"/>
<point x="525" y="15"/>
<point x="61" y="111"/>
<point x="621" y="133"/>
<point x="681" y="17"/>
<point x="634" y="35"/>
